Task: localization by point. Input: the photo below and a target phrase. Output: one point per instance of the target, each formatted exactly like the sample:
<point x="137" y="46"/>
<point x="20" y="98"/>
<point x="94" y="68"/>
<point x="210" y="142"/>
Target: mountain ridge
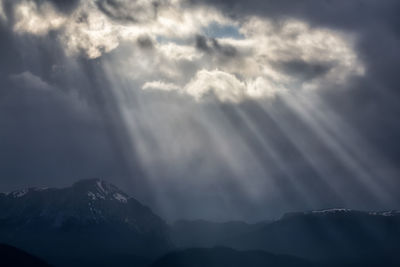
<point x="94" y="222"/>
<point x="89" y="218"/>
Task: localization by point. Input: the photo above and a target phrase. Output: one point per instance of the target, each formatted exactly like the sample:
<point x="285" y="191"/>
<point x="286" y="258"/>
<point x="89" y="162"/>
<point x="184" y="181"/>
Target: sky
<point x="219" y="110"/>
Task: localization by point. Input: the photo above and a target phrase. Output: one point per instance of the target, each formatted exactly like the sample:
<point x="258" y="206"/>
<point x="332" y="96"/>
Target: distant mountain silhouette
<point x="335" y="237"/>
<point x="332" y="235"/>
<point x="90" y="222"/>
<point x="217" y="257"/>
<point x="201" y="233"/>
<point x="11" y="256"/>
<point x="93" y="223"/>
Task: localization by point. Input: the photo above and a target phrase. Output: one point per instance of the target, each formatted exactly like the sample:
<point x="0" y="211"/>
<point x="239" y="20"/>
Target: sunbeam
<point x="184" y="132"/>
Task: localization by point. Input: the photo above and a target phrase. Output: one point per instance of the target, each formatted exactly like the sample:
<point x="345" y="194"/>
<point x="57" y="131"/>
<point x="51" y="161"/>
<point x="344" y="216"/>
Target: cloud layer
<point x="257" y="58"/>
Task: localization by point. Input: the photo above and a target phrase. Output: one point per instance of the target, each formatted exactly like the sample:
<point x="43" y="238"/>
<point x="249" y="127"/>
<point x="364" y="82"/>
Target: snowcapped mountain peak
<point x="97" y="189"/>
<point x="23" y="192"/>
<point x="93" y="183"/>
<point x="91" y="189"/>
<point x="86" y="202"/>
<point x="100" y="187"/>
<point x="331" y="211"/>
<point x="93" y="212"/>
<point x="120" y="197"/>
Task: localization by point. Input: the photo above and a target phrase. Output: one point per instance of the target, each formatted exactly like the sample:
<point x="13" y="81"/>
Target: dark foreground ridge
<point x="220" y="256"/>
<point x="94" y="223"/>
<point x="11" y="256"/>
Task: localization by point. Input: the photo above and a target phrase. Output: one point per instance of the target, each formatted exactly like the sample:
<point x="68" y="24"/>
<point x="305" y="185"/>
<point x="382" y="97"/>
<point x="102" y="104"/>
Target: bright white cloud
<point x="227" y="87"/>
<point x="36" y="19"/>
<point x="224" y="85"/>
<point x="269" y="58"/>
<point x="295" y="41"/>
<point x="159" y="85"/>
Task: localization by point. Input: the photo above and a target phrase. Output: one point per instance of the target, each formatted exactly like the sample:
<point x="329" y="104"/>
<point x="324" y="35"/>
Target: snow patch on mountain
<point x="100" y="187"/>
<point x="22" y="192"/>
<point x="120" y="198"/>
<point x="19" y="193"/>
<point x="104" y="191"/>
<point x="91" y="195"/>
<point x="341" y="211"/>
<point x="385" y="213"/>
<point x="348" y="211"/>
<point x="331" y="211"/>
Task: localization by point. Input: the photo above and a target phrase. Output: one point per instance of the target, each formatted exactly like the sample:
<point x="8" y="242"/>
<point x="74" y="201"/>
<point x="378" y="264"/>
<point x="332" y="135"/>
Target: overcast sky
<point x="221" y="110"/>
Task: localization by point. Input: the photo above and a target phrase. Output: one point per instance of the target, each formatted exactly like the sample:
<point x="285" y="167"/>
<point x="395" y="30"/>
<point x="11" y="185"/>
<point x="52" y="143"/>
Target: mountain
<point x="337" y="235"/>
<point x="201" y="233"/>
<point x="11" y="256"/>
<point x="219" y="256"/>
<point x="91" y="222"/>
<point x="94" y="223"/>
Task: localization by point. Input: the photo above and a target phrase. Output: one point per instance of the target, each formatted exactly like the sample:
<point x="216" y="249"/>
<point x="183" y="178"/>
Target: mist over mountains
<point x="243" y="133"/>
<point x="93" y="223"/>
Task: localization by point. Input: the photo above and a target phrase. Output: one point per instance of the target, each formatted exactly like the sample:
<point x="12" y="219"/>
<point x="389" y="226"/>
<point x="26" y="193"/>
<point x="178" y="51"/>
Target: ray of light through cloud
<point x="204" y="100"/>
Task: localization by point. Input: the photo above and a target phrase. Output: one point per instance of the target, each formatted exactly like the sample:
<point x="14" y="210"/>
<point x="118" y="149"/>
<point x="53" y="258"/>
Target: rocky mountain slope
<point x="93" y="223"/>
<point x="90" y="221"/>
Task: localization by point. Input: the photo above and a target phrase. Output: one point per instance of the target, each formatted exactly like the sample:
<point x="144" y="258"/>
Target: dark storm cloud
<point x="341" y="13"/>
<point x="27" y="79"/>
<point x="212" y="46"/>
<point x="129" y="11"/>
<point x="65" y="6"/>
<point x="45" y="135"/>
<point x="58" y="123"/>
<point x="201" y="43"/>
<point x="145" y="42"/>
<point x="303" y="70"/>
